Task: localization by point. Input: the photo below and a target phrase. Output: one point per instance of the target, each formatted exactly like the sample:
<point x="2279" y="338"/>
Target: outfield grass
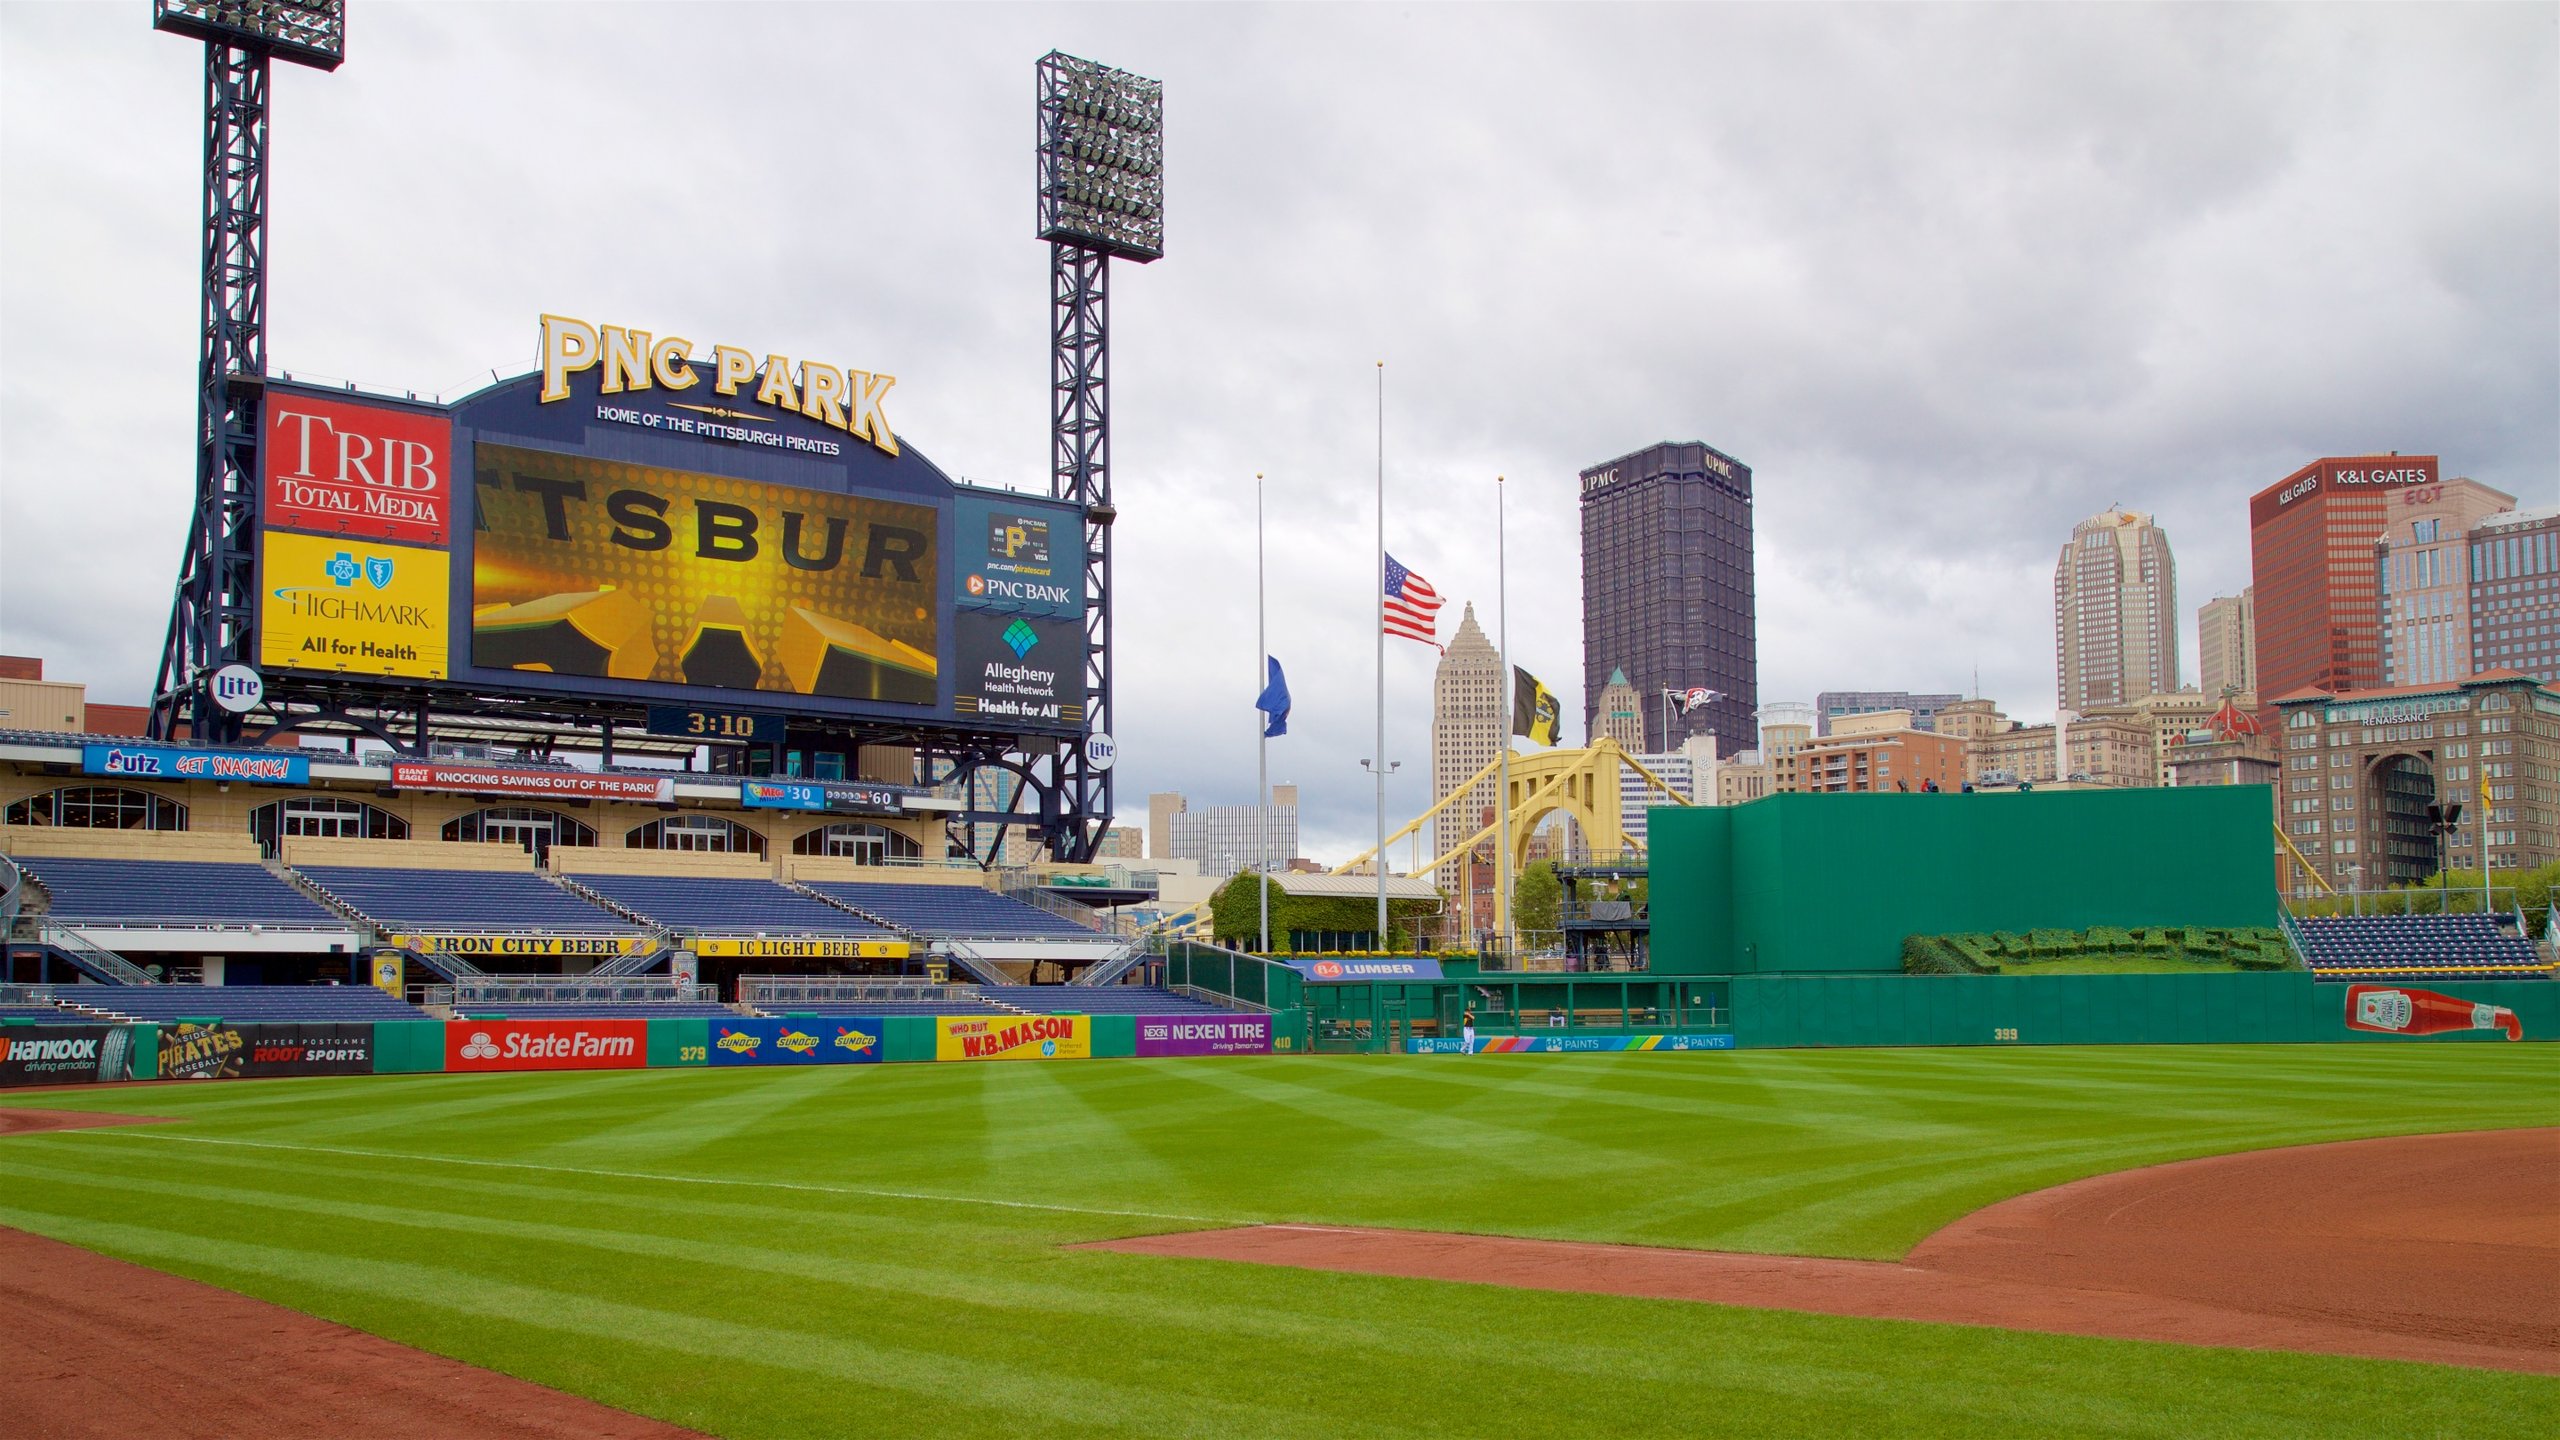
<point x="874" y="1250"/>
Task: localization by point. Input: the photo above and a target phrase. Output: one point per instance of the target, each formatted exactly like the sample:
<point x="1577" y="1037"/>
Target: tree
<point x="1537" y="899"/>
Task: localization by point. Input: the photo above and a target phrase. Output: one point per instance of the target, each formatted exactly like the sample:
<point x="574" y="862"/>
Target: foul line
<point x="664" y="1179"/>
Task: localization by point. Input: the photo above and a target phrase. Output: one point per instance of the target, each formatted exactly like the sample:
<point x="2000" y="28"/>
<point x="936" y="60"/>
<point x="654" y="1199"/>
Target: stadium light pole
<point x="1101" y="194"/>
<point x="213" y="614"/>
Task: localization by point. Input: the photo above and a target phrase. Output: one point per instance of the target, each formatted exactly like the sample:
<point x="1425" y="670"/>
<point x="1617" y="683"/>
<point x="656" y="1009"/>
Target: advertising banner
<point x="1019" y="555"/>
<point x="1563" y="1044"/>
<point x="844" y="797"/>
<point x="358" y="606"/>
<point x="390" y="973"/>
<point x="832" y="1040"/>
<point x="546" y="1044"/>
<point x="356" y="469"/>
<point x="1028" y="1037"/>
<point x="450" y="943"/>
<point x="64" y="1054"/>
<point x="161" y="762"/>
<point x="587" y="566"/>
<point x="735" y="947"/>
<point x="232" y="1052"/>
<point x="1204" y="1034"/>
<point x="1013" y="667"/>
<point x="489" y="780"/>
<point x="1344" y="969"/>
<point x="2408" y="1010"/>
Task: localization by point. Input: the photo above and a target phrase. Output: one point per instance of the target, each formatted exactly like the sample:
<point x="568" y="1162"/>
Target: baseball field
<point x="885" y="1250"/>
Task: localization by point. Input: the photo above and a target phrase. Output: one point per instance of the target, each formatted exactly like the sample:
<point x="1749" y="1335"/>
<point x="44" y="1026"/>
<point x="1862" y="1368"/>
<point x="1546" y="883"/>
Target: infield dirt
<point x="99" y="1347"/>
<point x="2440" y="1248"/>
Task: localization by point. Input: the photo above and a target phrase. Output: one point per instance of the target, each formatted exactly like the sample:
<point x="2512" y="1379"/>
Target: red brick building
<point x="2311" y="543"/>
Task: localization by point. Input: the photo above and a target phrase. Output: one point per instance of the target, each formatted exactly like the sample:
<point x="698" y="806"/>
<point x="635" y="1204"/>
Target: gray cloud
<point x="1949" y="278"/>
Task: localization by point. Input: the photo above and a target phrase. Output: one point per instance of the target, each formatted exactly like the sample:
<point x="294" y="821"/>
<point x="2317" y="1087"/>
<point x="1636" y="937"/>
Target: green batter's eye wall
<point x="1834" y="882"/>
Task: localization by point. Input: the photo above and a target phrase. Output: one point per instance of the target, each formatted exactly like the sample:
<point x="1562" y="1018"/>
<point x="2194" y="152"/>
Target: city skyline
<point x="1945" y="309"/>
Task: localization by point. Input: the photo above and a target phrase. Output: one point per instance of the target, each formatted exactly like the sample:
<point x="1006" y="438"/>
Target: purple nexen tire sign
<point x="1204" y="1034"/>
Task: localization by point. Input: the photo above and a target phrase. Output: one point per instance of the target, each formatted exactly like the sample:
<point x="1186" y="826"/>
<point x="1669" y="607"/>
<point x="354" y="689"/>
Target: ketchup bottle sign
<point x="2400" y="1010"/>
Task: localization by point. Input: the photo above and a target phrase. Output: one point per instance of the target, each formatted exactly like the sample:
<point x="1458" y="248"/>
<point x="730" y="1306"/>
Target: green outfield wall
<point x="1797" y="1011"/>
<point x="1831" y="883"/>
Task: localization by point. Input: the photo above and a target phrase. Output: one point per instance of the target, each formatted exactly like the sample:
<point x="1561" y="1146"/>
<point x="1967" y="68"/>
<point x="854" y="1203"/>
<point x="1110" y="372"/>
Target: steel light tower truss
<point x="1101" y="156"/>
<point x="212" y="616"/>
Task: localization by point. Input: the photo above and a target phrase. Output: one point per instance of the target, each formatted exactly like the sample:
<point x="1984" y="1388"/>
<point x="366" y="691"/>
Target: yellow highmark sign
<point x="354" y="605"/>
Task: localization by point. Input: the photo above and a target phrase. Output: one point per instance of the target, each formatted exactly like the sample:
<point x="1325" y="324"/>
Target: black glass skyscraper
<point x="1667" y="589"/>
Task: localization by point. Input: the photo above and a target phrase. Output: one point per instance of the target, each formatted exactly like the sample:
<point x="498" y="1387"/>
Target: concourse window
<point x="854" y="840"/>
<point x="702" y="834"/>
<point x="99" y="807"/>
<point x="324" y="817"/>
<point x="536" y="831"/>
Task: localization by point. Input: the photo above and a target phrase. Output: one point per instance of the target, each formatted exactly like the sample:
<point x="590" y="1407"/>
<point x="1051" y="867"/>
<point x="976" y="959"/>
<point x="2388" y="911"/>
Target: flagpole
<point x="1502" y="626"/>
<point x="1262" y="730"/>
<point x="1378" y="586"/>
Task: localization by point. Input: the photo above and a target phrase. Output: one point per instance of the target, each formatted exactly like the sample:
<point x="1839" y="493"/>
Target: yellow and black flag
<point x="1535" y="715"/>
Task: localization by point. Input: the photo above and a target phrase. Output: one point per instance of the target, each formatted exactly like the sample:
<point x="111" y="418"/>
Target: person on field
<point x="1467" y="1032"/>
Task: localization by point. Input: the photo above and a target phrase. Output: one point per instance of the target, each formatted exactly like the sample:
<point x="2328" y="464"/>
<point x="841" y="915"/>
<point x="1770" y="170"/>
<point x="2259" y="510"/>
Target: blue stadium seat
<point x="961" y="912"/>
<point x="595" y="1010"/>
<point x="683" y="902"/>
<point x="91" y="891"/>
<point x="495" y="900"/>
<point x="2418" y="947"/>
<point x="1096" y="1000"/>
<point x="240" y="1003"/>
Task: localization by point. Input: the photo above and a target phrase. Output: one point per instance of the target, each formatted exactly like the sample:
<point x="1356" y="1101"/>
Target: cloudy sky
<point x="1949" y="279"/>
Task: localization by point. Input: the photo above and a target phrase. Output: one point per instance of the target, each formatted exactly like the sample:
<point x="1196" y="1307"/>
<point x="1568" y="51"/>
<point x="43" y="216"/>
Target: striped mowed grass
<point x="875" y="1250"/>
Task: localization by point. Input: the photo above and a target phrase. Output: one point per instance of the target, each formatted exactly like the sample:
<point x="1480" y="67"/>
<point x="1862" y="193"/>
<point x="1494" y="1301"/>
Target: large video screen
<point x="605" y="568"/>
<point x="661" y="546"/>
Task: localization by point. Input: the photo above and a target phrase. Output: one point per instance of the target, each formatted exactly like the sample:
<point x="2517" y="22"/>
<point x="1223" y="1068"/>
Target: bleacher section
<point x="2418" y="947"/>
<point x="41" y="1015"/>
<point x="139" y="893"/>
<point x="962" y="912"/>
<point x="592" y="1010"/>
<point x="728" y="906"/>
<point x="429" y="900"/>
<point x="1096" y="1000"/>
<point x="238" y="1003"/>
<point x="893" y="1007"/>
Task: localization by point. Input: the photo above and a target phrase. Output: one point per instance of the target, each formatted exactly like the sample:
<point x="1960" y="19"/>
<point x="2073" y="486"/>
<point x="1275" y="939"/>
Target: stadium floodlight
<point x="306" y="32"/>
<point x="1101" y="158"/>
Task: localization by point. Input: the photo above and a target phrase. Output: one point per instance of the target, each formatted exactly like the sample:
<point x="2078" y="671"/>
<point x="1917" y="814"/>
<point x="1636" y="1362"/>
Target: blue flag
<point x="1274" y="702"/>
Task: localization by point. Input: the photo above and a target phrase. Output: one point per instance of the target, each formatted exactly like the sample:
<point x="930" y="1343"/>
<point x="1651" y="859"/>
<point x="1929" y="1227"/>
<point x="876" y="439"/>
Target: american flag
<point x="1412" y="605"/>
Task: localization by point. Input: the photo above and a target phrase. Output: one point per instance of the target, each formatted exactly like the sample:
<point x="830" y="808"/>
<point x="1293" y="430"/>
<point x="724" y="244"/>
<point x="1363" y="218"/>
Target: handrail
<point x="11" y="894"/>
<point x="89" y="954"/>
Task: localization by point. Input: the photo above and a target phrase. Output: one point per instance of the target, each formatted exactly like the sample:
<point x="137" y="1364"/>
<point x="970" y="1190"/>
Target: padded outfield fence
<point x="1531" y="1016"/>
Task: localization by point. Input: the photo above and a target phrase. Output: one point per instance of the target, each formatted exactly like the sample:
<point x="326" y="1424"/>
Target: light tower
<point x="212" y="616"/>
<point x="1101" y="195"/>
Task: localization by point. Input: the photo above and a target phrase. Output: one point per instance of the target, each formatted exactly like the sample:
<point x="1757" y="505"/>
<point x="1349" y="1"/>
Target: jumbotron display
<point x="635" y="523"/>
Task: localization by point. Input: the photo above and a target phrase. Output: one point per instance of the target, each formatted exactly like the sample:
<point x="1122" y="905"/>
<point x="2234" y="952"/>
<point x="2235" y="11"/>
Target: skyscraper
<point x="1466" y="730"/>
<point x="1621" y="714"/>
<point x="2227" y="643"/>
<point x="2115" y="612"/>
<point x="2311" y="538"/>
<point x="1833" y="705"/>
<point x="2515" y="593"/>
<point x="2423" y="564"/>
<point x="1667" y="590"/>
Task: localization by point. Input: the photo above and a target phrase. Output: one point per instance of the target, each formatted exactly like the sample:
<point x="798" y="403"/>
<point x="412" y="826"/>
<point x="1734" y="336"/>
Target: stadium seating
<point x="41" y="1015"/>
<point x="955" y="911"/>
<point x="460" y="899"/>
<point x="1096" y="1000"/>
<point x="820" y="1008"/>
<point x="91" y="891"/>
<point x="759" y="906"/>
<point x="239" y="1003"/>
<point x="594" y="1010"/>
<point x="2418" y="947"/>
